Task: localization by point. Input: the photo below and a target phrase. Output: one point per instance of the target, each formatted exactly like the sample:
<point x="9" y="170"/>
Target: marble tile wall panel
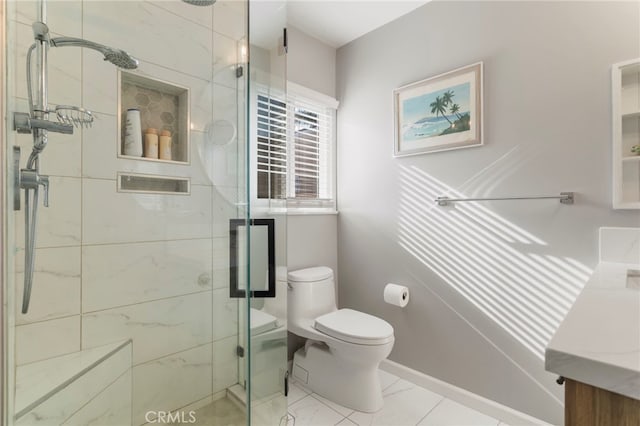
<point x="124" y="274"/>
<point x="112" y="407"/>
<point x="225" y="59"/>
<point x="223" y="209"/>
<point x="113" y="217"/>
<point x="63" y="16"/>
<point x="64" y="69"/>
<point x="63" y="404"/>
<point x="225" y="314"/>
<point x="157" y="328"/>
<point x="225" y="106"/>
<point x="200" y="15"/>
<point x="99" y="84"/>
<point x="150" y="33"/>
<point x="230" y="18"/>
<point x="221" y="263"/>
<point x="55" y="291"/>
<point x="226" y="158"/>
<point x="47" y="339"/>
<point x="59" y="224"/>
<point x="225" y="363"/>
<point x="171" y="382"/>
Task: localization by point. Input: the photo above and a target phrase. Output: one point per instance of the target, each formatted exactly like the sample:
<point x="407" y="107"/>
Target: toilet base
<point x="350" y="384"/>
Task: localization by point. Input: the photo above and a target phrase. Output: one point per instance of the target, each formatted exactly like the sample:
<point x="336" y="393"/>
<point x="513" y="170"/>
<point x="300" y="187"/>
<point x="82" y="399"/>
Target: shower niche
<point x="163" y="106"/>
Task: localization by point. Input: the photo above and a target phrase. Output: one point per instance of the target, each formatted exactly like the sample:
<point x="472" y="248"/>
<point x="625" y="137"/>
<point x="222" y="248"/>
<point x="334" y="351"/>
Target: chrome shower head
<point x="117" y="57"/>
<point x="200" y="2"/>
<point x="121" y="59"/>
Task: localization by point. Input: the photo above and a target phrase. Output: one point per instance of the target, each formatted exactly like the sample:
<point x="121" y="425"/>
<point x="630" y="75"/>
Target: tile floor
<point x="222" y="412"/>
<point x="405" y="404"/>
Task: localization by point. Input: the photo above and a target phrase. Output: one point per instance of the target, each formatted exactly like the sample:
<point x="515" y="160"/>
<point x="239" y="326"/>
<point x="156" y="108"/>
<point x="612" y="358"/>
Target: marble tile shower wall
<point x="112" y="266"/>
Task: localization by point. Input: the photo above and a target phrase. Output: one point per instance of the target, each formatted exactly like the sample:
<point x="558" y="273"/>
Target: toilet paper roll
<point x="395" y="294"/>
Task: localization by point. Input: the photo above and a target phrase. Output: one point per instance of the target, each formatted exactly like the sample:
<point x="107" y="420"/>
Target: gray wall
<point x="311" y="63"/>
<point x="311" y="239"/>
<point x="489" y="283"/>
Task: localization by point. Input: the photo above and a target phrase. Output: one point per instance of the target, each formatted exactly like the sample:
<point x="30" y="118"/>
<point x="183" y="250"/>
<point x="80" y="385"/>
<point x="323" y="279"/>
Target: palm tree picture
<point x="441" y="112"/>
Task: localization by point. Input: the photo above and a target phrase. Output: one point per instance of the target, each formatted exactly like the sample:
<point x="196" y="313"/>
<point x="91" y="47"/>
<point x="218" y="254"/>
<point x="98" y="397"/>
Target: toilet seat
<point x="355" y="327"/>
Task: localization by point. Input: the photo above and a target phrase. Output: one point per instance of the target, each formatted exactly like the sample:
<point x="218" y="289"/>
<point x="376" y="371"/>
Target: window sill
<point x="310" y="212"/>
<point x="293" y="211"/>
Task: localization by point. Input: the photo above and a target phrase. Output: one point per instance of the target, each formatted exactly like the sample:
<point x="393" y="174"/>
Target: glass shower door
<point x="130" y="319"/>
<point x="266" y="274"/>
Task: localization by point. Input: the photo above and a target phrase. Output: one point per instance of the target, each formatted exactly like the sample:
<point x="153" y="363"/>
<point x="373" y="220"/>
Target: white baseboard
<point x="462" y="396"/>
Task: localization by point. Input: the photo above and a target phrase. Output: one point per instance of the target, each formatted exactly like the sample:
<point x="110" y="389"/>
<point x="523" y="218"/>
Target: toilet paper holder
<point x="397" y="295"/>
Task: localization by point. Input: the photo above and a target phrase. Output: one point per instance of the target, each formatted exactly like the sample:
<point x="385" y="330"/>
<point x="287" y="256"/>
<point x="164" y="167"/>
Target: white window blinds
<point x="296" y="151"/>
<point x="271" y="147"/>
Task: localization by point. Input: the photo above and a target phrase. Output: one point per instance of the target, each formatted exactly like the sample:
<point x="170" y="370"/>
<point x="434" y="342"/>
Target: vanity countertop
<point x="598" y="343"/>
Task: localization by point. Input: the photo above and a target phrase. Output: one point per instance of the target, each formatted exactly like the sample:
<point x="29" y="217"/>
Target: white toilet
<point x="345" y="347"/>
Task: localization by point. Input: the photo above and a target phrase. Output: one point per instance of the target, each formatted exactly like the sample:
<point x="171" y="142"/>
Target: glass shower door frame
<point x="3" y="281"/>
<point x="6" y="358"/>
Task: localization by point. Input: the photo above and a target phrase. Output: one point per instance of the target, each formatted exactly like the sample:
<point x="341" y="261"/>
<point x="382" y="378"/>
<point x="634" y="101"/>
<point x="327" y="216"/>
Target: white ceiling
<point x="334" y="22"/>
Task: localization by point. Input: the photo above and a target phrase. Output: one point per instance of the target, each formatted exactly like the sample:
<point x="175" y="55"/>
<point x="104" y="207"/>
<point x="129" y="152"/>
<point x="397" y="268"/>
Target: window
<point x="272" y="148"/>
<point x="296" y="149"/>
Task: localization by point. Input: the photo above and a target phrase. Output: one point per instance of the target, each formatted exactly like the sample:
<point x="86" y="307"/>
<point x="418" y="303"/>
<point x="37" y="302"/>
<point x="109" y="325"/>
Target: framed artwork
<point x="439" y="113"/>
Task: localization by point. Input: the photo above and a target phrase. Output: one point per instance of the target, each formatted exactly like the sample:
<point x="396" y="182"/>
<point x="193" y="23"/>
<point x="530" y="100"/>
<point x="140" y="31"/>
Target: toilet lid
<point x="355" y="327"/>
<point x="317" y="273"/>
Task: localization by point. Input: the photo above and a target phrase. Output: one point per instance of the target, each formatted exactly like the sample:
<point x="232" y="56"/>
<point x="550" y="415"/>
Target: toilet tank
<point x="311" y="294"/>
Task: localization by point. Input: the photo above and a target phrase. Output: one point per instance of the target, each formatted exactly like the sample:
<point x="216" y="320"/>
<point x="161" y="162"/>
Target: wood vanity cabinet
<point x="586" y="405"/>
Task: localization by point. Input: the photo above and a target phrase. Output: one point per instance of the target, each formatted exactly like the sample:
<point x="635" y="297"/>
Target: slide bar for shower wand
<point x="564" y="197"/>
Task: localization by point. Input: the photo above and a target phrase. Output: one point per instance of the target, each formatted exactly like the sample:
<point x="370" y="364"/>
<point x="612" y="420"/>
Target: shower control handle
<point x="30" y="179"/>
<point x="44" y="181"/>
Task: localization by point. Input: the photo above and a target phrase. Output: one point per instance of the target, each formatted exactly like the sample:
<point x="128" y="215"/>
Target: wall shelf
<point x="625" y="108"/>
<point x="155" y="160"/>
<point x="163" y="106"/>
<point x="151" y="184"/>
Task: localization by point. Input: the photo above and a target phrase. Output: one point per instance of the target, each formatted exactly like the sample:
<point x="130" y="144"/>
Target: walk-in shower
<point x="121" y="311"/>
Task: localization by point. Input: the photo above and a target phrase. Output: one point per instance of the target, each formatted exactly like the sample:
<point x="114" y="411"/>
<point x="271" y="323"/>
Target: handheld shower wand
<point x="37" y="123"/>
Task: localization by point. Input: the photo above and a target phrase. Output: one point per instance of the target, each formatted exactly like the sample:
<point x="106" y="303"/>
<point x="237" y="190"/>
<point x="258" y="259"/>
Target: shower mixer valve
<point x="31" y="179"/>
<point x="27" y="179"/>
